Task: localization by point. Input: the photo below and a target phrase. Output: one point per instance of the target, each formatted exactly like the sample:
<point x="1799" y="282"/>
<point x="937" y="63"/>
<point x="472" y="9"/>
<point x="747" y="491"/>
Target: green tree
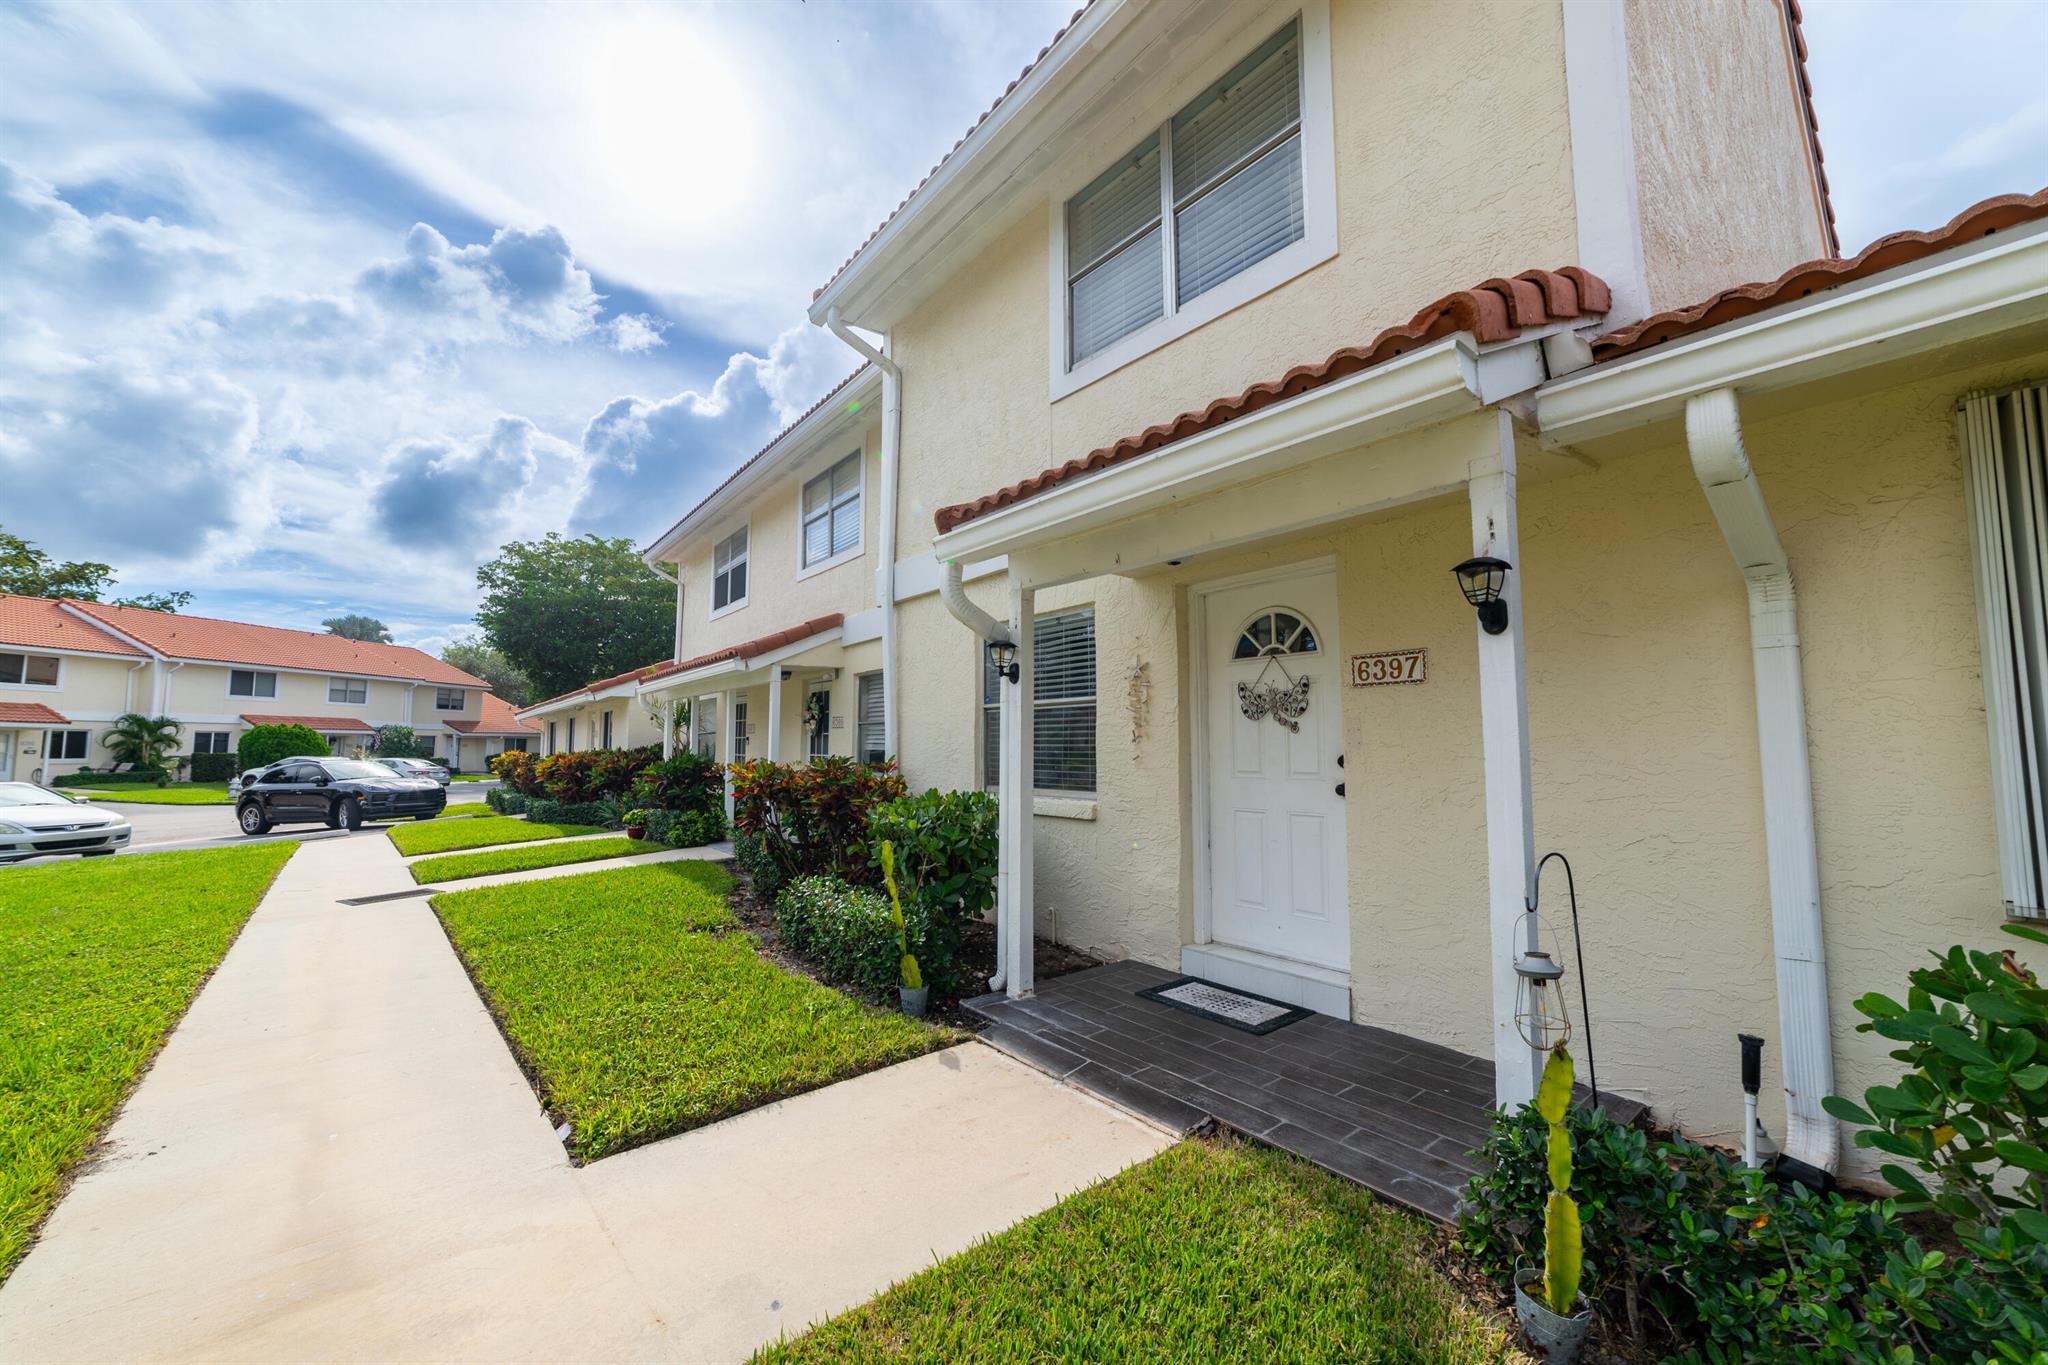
<point x="397" y="741"/>
<point x="357" y="627"/>
<point x="478" y="657"/>
<point x="565" y="611"/>
<point x="262" y="745"/>
<point x="142" y="741"/>
<point x="27" y="571"/>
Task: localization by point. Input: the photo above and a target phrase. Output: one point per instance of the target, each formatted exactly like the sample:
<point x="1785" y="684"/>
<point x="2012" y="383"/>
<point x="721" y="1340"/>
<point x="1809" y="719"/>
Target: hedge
<point x="849" y="931"/>
<point x="126" y="777"/>
<point x="678" y="829"/>
<point x="214" y="767"/>
<point x="264" y="745"/>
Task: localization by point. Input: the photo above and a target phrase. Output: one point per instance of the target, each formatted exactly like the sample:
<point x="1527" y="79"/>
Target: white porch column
<point x="1015" y="787"/>
<point x="1504" y="733"/>
<point x="724" y="749"/>
<point x="773" y="751"/>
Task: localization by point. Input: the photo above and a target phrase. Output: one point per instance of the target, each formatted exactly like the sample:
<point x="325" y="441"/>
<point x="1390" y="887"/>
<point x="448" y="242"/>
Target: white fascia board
<point x="969" y="160"/>
<point x="1969" y="292"/>
<point x="1426" y="386"/>
<point x="791" y="448"/>
<point x="557" y="706"/>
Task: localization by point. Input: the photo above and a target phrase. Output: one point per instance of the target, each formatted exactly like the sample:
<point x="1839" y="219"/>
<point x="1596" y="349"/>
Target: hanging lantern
<point x="1539" y="1001"/>
<point x="1482" y="579"/>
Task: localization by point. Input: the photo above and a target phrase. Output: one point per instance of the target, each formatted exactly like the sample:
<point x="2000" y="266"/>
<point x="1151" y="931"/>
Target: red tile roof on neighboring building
<point x="1900" y="248"/>
<point x="238" y="642"/>
<point x="42" y="623"/>
<point x="1805" y="83"/>
<point x="499" y="718"/>
<point x="324" y="724"/>
<point x="1496" y="310"/>
<point x="29" y="713"/>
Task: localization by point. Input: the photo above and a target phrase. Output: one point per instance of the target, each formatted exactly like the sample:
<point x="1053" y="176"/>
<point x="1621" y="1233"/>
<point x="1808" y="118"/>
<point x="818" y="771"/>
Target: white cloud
<point x="464" y="497"/>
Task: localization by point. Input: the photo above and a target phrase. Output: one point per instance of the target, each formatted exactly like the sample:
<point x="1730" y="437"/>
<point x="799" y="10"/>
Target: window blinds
<point x="2005" y="440"/>
<point x="872" y="741"/>
<point x="832" y="511"/>
<point x="1063" y="677"/>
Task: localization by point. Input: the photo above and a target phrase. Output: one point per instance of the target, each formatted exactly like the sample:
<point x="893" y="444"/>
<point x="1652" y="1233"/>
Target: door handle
<point x="1340" y="789"/>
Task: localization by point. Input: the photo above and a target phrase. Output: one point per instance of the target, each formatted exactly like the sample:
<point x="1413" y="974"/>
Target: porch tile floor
<point x="1395" y="1114"/>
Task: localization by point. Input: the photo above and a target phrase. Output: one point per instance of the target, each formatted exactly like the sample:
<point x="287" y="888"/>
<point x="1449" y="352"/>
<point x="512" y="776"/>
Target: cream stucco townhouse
<point x="68" y="669"/>
<point x="1229" y="330"/>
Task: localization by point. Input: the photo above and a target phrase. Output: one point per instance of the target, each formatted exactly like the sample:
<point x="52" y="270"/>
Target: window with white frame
<point x="1214" y="191"/>
<point x="818" y="722"/>
<point x="66" y="744"/>
<point x="551" y="738"/>
<point x="211" y="742"/>
<point x="571" y="735"/>
<point x="2005" y="436"/>
<point x="29" y="670"/>
<point x="348" y="691"/>
<point x="729" y="572"/>
<point x="243" y="682"/>
<point x="739" y="731"/>
<point x="832" y="512"/>
<point x="1063" y="698"/>
<point x="605" y="728"/>
<point x="871" y="743"/>
<point x="515" y="745"/>
<point x="450" y="699"/>
<point x="704" y="715"/>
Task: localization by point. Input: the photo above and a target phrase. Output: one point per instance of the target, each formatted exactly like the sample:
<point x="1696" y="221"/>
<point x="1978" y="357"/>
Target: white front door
<point x="1275" y="741"/>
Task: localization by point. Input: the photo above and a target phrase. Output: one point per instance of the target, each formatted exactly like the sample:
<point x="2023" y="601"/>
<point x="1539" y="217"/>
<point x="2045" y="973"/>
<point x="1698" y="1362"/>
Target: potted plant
<point x="912" y="995"/>
<point x="1546" y="1314"/>
<point x="636" y="822"/>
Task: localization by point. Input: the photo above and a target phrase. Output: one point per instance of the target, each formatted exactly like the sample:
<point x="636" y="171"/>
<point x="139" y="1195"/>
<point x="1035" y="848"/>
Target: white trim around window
<point x="26" y="671"/>
<point x="824" y="470"/>
<point x="739" y="562"/>
<point x="255" y="677"/>
<point x="442" y="694"/>
<point x="1317" y="244"/>
<point x="353" y="691"/>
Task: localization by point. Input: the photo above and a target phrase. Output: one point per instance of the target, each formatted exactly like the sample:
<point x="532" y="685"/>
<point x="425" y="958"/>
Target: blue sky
<point x="308" y="307"/>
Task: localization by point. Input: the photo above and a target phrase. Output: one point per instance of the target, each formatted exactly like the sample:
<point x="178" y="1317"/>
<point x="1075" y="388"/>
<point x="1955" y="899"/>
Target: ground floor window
<point x="818" y="722"/>
<point x="739" y="731"/>
<point x="211" y="742"/>
<point x="514" y="746"/>
<point x="605" y="727"/>
<point x="2006" y="481"/>
<point x="67" y="744"/>
<point x="705" y="716"/>
<point x="871" y="744"/>
<point x="572" y="734"/>
<point x="551" y="738"/>
<point x="1063" y="696"/>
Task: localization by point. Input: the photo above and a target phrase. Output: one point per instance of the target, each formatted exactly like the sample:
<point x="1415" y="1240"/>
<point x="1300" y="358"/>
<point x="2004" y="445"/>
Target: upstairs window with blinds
<point x="1063" y="693"/>
<point x="832" y="512"/>
<point x="870" y="737"/>
<point x="729" y="571"/>
<point x="2005" y="440"/>
<point x="1211" y="194"/>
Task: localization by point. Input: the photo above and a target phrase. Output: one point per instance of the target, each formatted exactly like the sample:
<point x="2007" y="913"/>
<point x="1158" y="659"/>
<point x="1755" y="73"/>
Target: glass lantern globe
<point x="1539" y="1001"/>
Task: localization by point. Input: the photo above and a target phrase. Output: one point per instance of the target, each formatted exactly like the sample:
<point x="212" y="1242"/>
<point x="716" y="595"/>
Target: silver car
<point x="35" y="821"/>
<point x="416" y="767"/>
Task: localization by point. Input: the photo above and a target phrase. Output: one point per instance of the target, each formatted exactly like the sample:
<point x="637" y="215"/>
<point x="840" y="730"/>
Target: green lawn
<point x="456" y="866"/>
<point x="471" y="777"/>
<point x="98" y="959"/>
<point x="644" y="1010"/>
<point x="480" y="831"/>
<point x="177" y="794"/>
<point x="1211" y="1251"/>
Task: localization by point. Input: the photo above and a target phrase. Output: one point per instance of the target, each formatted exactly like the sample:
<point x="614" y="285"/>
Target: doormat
<point x="1240" y="1009"/>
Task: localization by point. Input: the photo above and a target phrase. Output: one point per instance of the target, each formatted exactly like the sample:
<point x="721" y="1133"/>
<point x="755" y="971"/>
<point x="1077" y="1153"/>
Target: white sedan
<point x="35" y="821"/>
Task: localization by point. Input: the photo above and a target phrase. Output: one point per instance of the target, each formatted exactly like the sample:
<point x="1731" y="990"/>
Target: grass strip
<point x="455" y="866"/>
<point x="177" y="794"/>
<point x="1211" y="1251"/>
<point x="98" y="959"/>
<point x="482" y="831"/>
<point x="641" y="1009"/>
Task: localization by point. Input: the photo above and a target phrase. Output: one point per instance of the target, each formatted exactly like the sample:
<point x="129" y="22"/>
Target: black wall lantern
<point x="1481" y="578"/>
<point x="1003" y="654"/>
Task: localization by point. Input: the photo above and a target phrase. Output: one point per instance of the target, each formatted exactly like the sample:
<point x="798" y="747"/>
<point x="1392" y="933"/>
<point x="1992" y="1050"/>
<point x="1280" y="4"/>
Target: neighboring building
<point x="68" y="669"/>
<point x="1159" y="415"/>
<point x="605" y="714"/>
<point x="499" y="729"/>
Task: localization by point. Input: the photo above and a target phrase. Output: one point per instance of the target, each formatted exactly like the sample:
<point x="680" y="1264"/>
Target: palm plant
<point x="142" y="741"/>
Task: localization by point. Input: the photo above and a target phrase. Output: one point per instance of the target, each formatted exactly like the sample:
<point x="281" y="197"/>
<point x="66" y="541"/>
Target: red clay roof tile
<point x="1494" y="311"/>
<point x="1820" y="169"/>
<point x="239" y="642"/>
<point x="499" y="718"/>
<point x="41" y="622"/>
<point x="745" y="649"/>
<point x="1900" y="248"/>
<point x="29" y="713"/>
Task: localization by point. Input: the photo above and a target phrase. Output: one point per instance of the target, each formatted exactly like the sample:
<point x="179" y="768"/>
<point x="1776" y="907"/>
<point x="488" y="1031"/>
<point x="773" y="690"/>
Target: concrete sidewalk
<point x="336" y="1157"/>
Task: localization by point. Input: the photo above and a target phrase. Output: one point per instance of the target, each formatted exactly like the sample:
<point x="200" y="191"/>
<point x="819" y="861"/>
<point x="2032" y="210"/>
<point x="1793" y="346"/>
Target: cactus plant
<point x="1563" y="1258"/>
<point x="912" y="976"/>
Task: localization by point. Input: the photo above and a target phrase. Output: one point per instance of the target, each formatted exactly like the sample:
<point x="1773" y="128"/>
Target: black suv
<point x="343" y="792"/>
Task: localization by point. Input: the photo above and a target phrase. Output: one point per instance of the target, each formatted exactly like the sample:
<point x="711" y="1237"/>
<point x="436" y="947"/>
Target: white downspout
<point x="953" y="593"/>
<point x="163" y="688"/>
<point x="885" y="515"/>
<point x="128" y="690"/>
<point x="1713" y="431"/>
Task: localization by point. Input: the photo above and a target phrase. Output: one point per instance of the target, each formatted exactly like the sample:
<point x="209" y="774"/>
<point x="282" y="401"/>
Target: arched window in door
<point x="1275" y="631"/>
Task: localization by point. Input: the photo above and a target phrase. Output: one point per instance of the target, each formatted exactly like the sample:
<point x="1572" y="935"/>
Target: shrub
<point x="86" y="777"/>
<point x="505" y="801"/>
<point x="263" y="745"/>
<point x="612" y="772"/>
<point x="214" y="767"/>
<point x="750" y="851"/>
<point x="851" y="933"/>
<point x="546" y="811"/>
<point x="695" y="828"/>
<point x="398" y="741"/>
<point x="812" y="818"/>
<point x="946" y="849"/>
<point x="515" y="768"/>
<point x="683" y="783"/>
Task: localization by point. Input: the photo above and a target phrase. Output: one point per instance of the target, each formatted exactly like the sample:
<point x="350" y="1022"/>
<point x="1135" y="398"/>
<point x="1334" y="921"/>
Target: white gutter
<point x="986" y="628"/>
<point x="1713" y="431"/>
<point x="885" y="515"/>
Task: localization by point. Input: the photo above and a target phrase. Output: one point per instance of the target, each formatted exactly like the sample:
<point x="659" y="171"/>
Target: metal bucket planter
<point x="913" y="1002"/>
<point x="1557" y="1336"/>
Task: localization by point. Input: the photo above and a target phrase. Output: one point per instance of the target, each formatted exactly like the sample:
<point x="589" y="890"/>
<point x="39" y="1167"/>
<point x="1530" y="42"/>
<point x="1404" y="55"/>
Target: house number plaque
<point x="1390" y="666"/>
